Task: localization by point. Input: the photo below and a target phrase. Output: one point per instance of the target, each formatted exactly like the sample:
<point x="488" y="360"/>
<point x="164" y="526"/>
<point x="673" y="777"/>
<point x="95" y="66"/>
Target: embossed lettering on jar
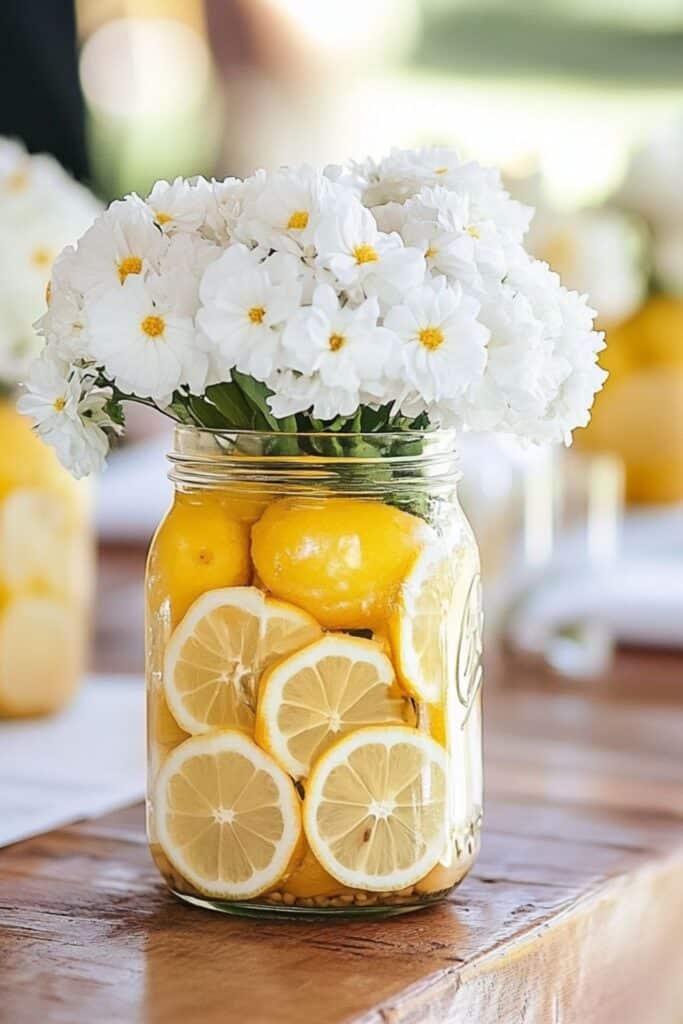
<point x="314" y="674"/>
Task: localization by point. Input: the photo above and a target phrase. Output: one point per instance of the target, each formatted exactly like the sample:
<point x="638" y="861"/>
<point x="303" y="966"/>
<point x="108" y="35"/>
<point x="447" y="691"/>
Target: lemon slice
<point x="330" y="688"/>
<point x="42" y="545"/>
<point x="376" y="806"/>
<point x="41" y="655"/>
<point x="418" y="626"/>
<point x="228" y="818"/>
<point x="217" y="653"/>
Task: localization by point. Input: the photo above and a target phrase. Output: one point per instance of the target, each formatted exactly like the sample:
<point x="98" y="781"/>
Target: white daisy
<point x="141" y="341"/>
<point x="124" y="242"/>
<point x="443" y="344"/>
<point x="364" y="260"/>
<point x="284" y="211"/>
<point x="68" y="415"/>
<point x="343" y="344"/>
<point x="295" y="393"/>
<point x="179" y="206"/>
<point x="54" y="392"/>
<point x="455" y="239"/>
<point x="243" y="311"/>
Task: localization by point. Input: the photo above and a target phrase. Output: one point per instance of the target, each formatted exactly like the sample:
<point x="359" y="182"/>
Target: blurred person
<point x="40" y="97"/>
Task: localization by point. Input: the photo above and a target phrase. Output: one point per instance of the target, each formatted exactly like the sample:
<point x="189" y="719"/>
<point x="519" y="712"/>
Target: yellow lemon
<point x="228" y="818"/>
<point x="197" y="548"/>
<point x="640" y="419"/>
<point x="376" y="808"/>
<point x="41" y="655"/>
<point x="216" y="655"/>
<point x="25" y="460"/>
<point x="310" y="879"/>
<point x="342" y="559"/>
<point x="311" y="698"/>
<point x="42" y="548"/>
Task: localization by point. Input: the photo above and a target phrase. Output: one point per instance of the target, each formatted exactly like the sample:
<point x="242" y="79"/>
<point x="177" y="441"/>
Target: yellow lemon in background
<point x="639" y="413"/>
<point x="342" y="559"/>
<point x="198" y="547"/>
<point x="26" y="461"/>
<point x="42" y="646"/>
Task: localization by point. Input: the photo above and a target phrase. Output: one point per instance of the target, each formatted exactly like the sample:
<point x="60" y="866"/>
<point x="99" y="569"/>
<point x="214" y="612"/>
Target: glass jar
<point x="46" y="571"/>
<point x="313" y="648"/>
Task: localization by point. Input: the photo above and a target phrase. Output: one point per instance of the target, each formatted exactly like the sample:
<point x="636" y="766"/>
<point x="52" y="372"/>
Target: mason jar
<point x="46" y="572"/>
<point x="313" y="647"/>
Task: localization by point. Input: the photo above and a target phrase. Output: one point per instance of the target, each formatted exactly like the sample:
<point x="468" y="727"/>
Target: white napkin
<point x="86" y="761"/>
<point x="638" y="598"/>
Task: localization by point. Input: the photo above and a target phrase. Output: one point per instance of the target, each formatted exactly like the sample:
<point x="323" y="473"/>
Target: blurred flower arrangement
<point x="45" y="535"/>
<point x="374" y="296"/>
<point x="628" y="256"/>
<point x="42" y="209"/>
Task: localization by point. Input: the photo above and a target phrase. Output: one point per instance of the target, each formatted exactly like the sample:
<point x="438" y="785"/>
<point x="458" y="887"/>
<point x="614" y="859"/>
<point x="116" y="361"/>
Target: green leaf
<point x="207" y="414"/>
<point x="114" y="411"/>
<point x="180" y="409"/>
<point x="256" y="393"/>
<point x="358" y="448"/>
<point x="231" y="404"/>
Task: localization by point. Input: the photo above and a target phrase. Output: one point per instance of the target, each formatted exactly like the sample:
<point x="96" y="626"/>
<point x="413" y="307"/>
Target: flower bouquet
<point x="45" y="537"/>
<point x="314" y="622"/>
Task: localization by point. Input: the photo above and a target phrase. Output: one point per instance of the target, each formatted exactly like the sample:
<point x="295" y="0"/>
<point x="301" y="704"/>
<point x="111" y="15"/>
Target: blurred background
<point x="581" y="106"/>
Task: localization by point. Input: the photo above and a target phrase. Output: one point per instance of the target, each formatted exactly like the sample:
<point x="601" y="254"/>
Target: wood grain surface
<point x="572" y="915"/>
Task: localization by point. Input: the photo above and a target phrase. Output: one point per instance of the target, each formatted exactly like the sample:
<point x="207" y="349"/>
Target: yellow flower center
<point x="298" y="221"/>
<point x="431" y="338"/>
<point x="336" y="341"/>
<point x="59" y="404"/>
<point x="472" y="231"/>
<point x="17" y="181"/>
<point x="441" y="170"/>
<point x="153" y="326"/>
<point x="256" y="314"/>
<point x="430" y="253"/>
<point x="130" y="265"/>
<point x="162" y="218"/>
<point x="48" y="293"/>
<point x="365" y="254"/>
<point x="41" y="257"/>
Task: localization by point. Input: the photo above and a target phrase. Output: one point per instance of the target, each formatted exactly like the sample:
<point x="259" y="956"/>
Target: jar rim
<point x="202" y="455"/>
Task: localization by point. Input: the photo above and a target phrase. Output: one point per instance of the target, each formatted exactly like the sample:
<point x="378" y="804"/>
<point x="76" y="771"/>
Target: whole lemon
<point x="341" y="559"/>
<point x="198" y="547"/>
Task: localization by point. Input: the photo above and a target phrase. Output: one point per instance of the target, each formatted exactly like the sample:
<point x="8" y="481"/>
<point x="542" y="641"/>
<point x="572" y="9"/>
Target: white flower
<point x="243" y="311"/>
<point x="342" y="345"/>
<point x="145" y="346"/>
<point x="179" y="206"/>
<point x="124" y="242"/>
<point x="284" y="210"/>
<point x="223" y="208"/>
<point x="456" y="240"/>
<point x="295" y="393"/>
<point x="53" y="392"/>
<point x="68" y="414"/>
<point x="363" y="259"/>
<point x="443" y="344"/>
<point x="569" y="375"/>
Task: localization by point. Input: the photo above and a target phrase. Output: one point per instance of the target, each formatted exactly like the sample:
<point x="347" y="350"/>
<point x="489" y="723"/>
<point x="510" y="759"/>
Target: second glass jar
<point x="314" y="674"/>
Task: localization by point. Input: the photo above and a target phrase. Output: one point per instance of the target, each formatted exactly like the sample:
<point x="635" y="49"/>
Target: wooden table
<point x="573" y="914"/>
